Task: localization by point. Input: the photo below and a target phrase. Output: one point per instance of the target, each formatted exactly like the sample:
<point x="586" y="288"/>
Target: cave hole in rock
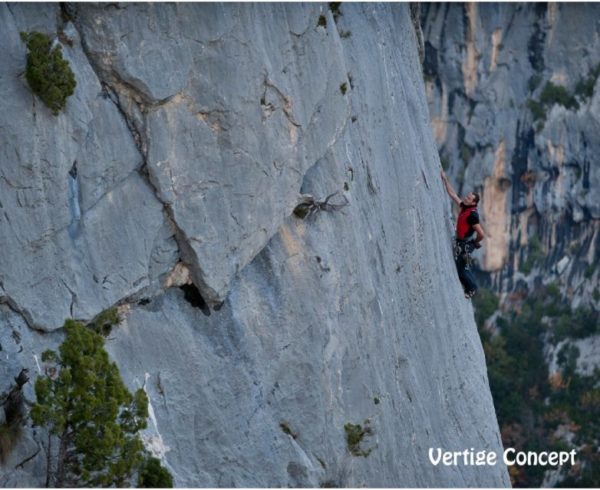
<point x="192" y="296"/>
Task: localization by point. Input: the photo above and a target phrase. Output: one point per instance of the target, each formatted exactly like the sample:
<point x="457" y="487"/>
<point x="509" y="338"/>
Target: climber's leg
<point x="466" y="277"/>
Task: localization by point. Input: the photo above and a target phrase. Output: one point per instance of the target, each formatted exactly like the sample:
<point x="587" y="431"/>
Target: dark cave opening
<point x="192" y="296"/>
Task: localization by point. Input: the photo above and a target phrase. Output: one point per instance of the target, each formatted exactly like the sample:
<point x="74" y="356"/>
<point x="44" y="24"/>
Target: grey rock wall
<point x="196" y="128"/>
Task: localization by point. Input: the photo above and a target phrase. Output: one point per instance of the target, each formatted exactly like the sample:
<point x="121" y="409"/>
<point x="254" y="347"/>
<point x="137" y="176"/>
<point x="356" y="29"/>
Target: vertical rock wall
<point x="257" y="336"/>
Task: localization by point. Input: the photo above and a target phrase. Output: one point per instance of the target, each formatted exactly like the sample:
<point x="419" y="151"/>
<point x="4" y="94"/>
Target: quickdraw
<point x="464" y="249"/>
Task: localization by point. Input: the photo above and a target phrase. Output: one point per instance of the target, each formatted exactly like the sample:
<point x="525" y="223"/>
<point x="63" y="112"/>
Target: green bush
<point x="485" y="303"/>
<point x="105" y="321"/>
<point x="551" y="95"/>
<point x="92" y="418"/>
<point x="355" y="433"/>
<point x="154" y="475"/>
<point x="535" y="255"/>
<point x="531" y="402"/>
<point x="47" y="73"/>
<point x="557" y="94"/>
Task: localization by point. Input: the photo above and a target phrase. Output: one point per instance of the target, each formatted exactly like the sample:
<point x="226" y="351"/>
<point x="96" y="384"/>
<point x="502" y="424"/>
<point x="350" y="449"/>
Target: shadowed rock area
<point x="257" y="335"/>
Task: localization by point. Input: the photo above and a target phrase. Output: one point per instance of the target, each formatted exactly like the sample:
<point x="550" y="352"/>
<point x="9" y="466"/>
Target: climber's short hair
<point x="476" y="196"/>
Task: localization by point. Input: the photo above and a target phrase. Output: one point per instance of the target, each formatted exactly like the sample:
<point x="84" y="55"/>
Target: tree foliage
<point x="48" y="74"/>
<point x="153" y="475"/>
<point x="89" y="413"/>
<point x="531" y="402"/>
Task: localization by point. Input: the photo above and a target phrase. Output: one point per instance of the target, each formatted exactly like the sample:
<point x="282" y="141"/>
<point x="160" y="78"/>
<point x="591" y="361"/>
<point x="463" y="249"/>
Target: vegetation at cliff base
<point x="92" y="419"/>
<point x="539" y="410"/>
<point x="47" y="73"/>
<point x="535" y="255"/>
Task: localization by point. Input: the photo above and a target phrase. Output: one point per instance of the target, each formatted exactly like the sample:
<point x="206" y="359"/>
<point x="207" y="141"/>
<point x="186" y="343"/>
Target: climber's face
<point x="470" y="199"/>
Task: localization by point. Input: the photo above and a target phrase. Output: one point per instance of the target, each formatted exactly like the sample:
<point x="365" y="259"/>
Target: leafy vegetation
<point x="557" y="94"/>
<point x="531" y="403"/>
<point x="485" y="303"/>
<point x="551" y="95"/>
<point x="535" y="254"/>
<point x="104" y="322"/>
<point x="154" y="475"/>
<point x="47" y="73"/>
<point x="355" y="433"/>
<point x="92" y="419"/>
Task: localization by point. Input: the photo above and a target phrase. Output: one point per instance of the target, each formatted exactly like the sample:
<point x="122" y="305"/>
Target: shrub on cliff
<point x="47" y="73"/>
<point x="154" y="475"/>
<point x="91" y="417"/>
<point x="557" y="94"/>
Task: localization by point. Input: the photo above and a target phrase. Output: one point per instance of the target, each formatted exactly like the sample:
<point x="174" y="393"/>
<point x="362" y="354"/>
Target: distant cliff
<point x="514" y="100"/>
<point x="167" y="188"/>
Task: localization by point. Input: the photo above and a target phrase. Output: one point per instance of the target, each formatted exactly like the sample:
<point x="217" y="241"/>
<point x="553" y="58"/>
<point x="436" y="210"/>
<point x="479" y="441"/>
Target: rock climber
<point x="466" y="224"/>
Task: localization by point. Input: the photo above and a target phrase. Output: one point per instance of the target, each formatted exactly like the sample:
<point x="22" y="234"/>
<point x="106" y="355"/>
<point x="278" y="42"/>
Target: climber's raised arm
<point x="449" y="189"/>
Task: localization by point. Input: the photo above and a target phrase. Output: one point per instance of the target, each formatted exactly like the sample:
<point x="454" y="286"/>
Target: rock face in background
<point x="167" y="187"/>
<point x="530" y="150"/>
<point x="514" y="99"/>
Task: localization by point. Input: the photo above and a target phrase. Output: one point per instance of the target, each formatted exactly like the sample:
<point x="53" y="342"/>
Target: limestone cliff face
<point x="167" y="187"/>
<point x="499" y="130"/>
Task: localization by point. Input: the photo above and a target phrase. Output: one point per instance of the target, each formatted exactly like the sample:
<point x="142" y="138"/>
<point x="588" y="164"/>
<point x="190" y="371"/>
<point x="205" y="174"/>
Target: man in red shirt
<point x="466" y="225"/>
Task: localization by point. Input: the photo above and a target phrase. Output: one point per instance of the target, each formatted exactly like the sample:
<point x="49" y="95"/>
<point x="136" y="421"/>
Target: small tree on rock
<point x="153" y="475"/>
<point x="47" y="73"/>
<point x="91" y="417"/>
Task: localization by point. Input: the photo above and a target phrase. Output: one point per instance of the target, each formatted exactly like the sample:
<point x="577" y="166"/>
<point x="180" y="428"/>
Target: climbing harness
<point x="464" y="249"/>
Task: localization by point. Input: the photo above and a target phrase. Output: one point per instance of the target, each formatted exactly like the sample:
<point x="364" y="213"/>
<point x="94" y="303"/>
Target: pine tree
<point x="89" y="413"/>
<point x="47" y="72"/>
<point x="153" y="475"/>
